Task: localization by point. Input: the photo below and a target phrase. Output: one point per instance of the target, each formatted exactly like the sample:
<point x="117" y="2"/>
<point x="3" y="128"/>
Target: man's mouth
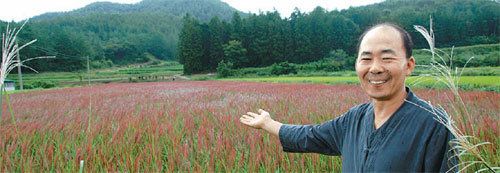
<point x="377" y="81"/>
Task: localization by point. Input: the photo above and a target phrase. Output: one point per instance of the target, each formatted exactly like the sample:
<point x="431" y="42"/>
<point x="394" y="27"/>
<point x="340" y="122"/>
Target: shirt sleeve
<point x="323" y="138"/>
<point x="439" y="155"/>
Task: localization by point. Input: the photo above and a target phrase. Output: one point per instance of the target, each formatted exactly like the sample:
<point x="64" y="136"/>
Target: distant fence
<point x="153" y="78"/>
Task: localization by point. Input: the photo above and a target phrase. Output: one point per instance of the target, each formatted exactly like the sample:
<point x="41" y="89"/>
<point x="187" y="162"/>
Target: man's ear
<point x="410" y="65"/>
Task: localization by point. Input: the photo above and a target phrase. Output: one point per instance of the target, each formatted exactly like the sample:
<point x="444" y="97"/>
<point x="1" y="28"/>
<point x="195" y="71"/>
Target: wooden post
<point x="19" y="69"/>
<point x="88" y="69"/>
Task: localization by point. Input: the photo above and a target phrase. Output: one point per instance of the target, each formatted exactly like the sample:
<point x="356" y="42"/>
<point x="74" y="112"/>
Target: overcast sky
<point x="22" y="9"/>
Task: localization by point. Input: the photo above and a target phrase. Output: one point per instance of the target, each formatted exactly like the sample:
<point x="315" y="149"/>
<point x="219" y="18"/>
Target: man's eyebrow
<point x="388" y="51"/>
<point x="366" y="53"/>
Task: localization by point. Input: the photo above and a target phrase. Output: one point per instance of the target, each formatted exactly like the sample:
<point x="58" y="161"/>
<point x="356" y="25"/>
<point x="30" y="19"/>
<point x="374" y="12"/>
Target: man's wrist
<point x="272" y="127"/>
<point x="268" y="124"/>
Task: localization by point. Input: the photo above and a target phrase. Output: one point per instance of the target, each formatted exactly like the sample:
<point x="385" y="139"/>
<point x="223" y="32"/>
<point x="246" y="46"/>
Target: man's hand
<point x="261" y="121"/>
<point x="256" y="120"/>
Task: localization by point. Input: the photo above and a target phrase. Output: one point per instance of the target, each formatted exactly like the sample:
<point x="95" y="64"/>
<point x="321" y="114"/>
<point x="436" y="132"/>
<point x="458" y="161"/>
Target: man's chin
<point x="379" y="96"/>
<point x="374" y="93"/>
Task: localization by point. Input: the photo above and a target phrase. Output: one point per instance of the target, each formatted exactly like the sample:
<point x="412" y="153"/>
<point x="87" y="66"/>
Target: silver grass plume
<point x="445" y="73"/>
<point x="10" y="60"/>
<point x="9" y="53"/>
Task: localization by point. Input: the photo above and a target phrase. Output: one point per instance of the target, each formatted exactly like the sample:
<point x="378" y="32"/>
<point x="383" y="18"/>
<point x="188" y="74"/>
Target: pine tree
<point x="190" y="46"/>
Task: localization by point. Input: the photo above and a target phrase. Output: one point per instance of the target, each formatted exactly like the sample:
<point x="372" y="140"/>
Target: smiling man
<point x="396" y="132"/>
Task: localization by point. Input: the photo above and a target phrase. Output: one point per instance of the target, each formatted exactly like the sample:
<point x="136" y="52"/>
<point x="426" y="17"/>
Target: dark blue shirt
<point x="411" y="140"/>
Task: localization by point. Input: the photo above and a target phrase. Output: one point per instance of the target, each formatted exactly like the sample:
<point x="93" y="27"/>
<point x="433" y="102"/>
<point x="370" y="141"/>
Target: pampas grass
<point x="9" y="50"/>
<point x="10" y="60"/>
<point x="465" y="147"/>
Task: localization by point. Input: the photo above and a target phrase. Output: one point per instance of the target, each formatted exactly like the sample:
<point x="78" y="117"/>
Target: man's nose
<point x="377" y="67"/>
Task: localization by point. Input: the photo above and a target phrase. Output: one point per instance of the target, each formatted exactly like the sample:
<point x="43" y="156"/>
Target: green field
<point x="465" y="82"/>
<point x="98" y="76"/>
<point x="315" y="79"/>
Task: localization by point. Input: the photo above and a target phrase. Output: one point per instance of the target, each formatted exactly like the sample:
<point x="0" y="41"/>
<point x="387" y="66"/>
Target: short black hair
<point x="407" y="43"/>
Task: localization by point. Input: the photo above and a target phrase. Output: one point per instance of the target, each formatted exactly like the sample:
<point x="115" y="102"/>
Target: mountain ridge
<point x="175" y="7"/>
<point x="120" y="34"/>
<point x="113" y="33"/>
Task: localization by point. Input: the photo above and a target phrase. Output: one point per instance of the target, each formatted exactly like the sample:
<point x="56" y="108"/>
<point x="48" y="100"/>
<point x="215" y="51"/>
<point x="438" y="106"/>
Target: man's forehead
<point x="386" y="32"/>
<point x="382" y="34"/>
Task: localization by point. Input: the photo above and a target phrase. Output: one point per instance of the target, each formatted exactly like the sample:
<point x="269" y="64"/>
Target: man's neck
<point x="384" y="109"/>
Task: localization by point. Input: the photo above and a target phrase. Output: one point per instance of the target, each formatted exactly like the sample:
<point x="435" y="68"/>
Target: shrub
<point x="224" y="69"/>
<point x="39" y="84"/>
<point x="283" y="68"/>
<point x="201" y="78"/>
<point x="99" y="64"/>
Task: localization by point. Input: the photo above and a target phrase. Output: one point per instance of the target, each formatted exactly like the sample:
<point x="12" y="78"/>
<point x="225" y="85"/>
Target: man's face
<point x="382" y="65"/>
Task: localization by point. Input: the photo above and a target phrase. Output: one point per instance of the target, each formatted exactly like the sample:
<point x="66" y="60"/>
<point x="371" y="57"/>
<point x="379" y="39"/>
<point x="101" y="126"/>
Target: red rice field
<point x="190" y="126"/>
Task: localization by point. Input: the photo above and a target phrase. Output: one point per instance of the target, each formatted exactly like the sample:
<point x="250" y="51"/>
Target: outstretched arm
<point x="261" y="121"/>
<point x="322" y="138"/>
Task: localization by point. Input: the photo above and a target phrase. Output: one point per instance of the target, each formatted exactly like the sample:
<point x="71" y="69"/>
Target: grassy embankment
<point x="36" y="81"/>
<point x="474" y="82"/>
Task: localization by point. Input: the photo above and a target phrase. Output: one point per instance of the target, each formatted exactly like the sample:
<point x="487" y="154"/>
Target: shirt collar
<point x="411" y="96"/>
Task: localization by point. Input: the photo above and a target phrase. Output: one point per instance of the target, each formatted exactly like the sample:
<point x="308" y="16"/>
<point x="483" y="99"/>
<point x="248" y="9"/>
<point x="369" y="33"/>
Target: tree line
<point x="264" y="39"/>
<point x="108" y="39"/>
<point x="112" y="34"/>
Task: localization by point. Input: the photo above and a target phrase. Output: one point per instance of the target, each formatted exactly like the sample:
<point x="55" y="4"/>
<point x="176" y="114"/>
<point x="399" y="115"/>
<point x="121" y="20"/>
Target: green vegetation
<point x="333" y="65"/>
<point x="224" y="69"/>
<point x="152" y="30"/>
<point x="327" y="70"/>
<point x="472" y="78"/>
<point x="488" y="83"/>
<point x="290" y="79"/>
<point x="330" y="37"/>
<point x="113" y="34"/>
<point x="484" y="55"/>
<point x="164" y="71"/>
<point x="283" y="68"/>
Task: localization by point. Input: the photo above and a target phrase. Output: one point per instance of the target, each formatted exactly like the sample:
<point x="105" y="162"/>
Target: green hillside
<point x="200" y="9"/>
<point x="482" y="55"/>
<point x="331" y="36"/>
<point x="113" y="34"/>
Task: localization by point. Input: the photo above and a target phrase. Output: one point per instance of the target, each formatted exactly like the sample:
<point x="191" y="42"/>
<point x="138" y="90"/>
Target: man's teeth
<point x="377" y="82"/>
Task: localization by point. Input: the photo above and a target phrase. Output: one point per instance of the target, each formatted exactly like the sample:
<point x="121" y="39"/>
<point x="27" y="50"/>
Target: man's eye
<point x="387" y="58"/>
<point x="366" y="59"/>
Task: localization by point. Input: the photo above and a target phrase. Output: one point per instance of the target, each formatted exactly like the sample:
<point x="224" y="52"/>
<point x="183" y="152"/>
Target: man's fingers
<point x="262" y="111"/>
<point x="245" y="121"/>
<point x="252" y="114"/>
<point x="246" y="117"/>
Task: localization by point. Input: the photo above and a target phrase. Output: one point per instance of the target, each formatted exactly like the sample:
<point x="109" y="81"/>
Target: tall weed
<point x="468" y="149"/>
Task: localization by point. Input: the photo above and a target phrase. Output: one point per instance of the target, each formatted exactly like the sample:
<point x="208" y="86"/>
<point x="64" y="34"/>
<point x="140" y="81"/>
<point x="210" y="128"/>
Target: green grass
<point x="484" y="55"/>
<point x="466" y="82"/>
<point x="315" y="79"/>
<point x="469" y="71"/>
<point x="121" y="74"/>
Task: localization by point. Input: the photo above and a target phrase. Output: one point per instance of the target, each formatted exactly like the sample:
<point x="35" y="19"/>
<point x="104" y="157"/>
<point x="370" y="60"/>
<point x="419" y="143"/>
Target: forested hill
<point x="331" y="36"/>
<point x="200" y="9"/>
<point x="112" y="33"/>
<point x="119" y="34"/>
